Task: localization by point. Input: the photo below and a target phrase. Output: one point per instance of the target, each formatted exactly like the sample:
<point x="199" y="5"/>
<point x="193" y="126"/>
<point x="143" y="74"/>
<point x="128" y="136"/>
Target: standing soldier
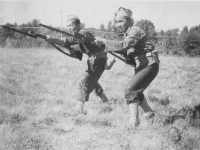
<point x="138" y="51"/>
<point x="96" y="62"/>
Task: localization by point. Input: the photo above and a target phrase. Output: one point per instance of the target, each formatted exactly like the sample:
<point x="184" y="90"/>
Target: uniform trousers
<point x="90" y="77"/>
<point x="139" y="82"/>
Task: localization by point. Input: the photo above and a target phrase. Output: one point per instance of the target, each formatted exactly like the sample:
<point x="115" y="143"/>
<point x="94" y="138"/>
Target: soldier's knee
<point x="129" y="88"/>
<point x="133" y="95"/>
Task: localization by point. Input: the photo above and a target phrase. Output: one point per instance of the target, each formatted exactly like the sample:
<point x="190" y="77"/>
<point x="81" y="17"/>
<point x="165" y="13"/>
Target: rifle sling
<point x="60" y="50"/>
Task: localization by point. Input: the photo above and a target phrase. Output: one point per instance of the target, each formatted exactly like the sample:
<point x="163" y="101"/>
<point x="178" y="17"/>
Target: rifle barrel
<point x="13" y="29"/>
<point x="57" y="30"/>
<point x="35" y="36"/>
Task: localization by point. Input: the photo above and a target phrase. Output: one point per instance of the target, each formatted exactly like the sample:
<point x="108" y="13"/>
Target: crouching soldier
<point x="96" y="62"/>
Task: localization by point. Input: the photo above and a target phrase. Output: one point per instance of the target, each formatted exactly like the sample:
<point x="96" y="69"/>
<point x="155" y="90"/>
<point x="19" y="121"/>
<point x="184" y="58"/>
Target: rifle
<point x="80" y="37"/>
<point x="77" y="54"/>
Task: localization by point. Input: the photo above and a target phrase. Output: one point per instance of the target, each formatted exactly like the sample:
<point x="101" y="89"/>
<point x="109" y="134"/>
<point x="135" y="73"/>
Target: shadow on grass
<point x="191" y="115"/>
<point x="164" y="102"/>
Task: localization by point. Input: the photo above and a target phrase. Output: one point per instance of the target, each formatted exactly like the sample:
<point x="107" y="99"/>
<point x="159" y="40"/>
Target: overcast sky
<point x="163" y="14"/>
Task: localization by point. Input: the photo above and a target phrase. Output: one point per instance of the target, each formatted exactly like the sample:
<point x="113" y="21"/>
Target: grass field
<point x="37" y="97"/>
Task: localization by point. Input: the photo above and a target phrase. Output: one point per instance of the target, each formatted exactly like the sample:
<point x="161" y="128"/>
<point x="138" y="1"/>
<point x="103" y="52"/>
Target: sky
<point x="163" y="14"/>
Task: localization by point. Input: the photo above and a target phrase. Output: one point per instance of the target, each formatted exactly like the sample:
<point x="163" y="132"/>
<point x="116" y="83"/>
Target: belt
<point x="99" y="54"/>
<point x="142" y="56"/>
<point x="153" y="55"/>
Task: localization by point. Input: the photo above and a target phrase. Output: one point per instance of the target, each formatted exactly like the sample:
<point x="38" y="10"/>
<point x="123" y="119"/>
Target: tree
<point x="172" y="32"/>
<point x="102" y="28"/>
<point x="190" y="41"/>
<point x="15" y="24"/>
<point x="195" y="30"/>
<point x="35" y="23"/>
<point x="185" y="30"/>
<point x="109" y="27"/>
<point x="147" y="26"/>
<point x="182" y="37"/>
<point x="161" y="33"/>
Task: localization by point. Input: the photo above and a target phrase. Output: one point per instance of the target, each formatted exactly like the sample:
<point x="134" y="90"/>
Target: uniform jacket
<point x="136" y="43"/>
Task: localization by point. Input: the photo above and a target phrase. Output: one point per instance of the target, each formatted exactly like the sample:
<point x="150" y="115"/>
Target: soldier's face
<point x="72" y="27"/>
<point x="122" y="23"/>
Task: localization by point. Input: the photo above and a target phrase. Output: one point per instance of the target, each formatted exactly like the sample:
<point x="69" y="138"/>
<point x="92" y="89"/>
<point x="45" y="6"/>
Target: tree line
<point x="173" y="41"/>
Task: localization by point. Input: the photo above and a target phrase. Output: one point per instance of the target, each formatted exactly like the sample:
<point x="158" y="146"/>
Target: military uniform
<point x="138" y="51"/>
<point x="136" y="45"/>
<point x="96" y="62"/>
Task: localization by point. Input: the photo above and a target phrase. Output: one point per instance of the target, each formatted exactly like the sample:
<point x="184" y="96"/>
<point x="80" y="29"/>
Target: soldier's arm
<point x="133" y="37"/>
<point x="59" y="41"/>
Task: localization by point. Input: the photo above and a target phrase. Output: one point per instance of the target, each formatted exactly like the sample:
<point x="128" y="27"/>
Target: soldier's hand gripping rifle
<point x="76" y="54"/>
<point x="79" y="37"/>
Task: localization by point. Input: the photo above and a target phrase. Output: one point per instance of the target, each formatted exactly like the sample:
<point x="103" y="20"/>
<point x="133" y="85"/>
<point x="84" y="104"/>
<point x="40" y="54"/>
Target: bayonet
<point x="34" y="35"/>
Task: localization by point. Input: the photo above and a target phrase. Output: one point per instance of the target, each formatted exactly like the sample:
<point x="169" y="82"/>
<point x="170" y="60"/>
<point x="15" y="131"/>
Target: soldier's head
<point x="123" y="19"/>
<point x="73" y="23"/>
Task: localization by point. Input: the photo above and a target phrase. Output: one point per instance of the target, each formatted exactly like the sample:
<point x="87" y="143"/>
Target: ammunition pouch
<point x="150" y="55"/>
<point x="76" y="54"/>
<point x="130" y="60"/>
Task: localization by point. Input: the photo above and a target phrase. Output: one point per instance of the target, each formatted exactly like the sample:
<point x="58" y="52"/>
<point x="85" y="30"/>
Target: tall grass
<point x="37" y="97"/>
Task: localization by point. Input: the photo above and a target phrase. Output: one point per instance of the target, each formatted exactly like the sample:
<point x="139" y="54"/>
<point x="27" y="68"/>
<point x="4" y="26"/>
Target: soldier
<point x="138" y="51"/>
<point x="96" y="62"/>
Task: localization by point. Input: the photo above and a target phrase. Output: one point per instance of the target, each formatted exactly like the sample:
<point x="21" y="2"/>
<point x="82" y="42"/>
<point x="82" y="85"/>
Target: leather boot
<point x="146" y="108"/>
<point x="134" y="114"/>
<point x="103" y="98"/>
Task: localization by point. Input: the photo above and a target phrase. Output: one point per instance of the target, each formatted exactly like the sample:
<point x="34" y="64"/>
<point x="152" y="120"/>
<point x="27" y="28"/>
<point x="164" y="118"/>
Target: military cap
<point x="124" y="12"/>
<point x="71" y="17"/>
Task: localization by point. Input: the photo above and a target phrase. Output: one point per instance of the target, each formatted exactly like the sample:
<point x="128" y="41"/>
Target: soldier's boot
<point x="148" y="112"/>
<point x="79" y="107"/>
<point x="134" y="114"/>
<point x="103" y="98"/>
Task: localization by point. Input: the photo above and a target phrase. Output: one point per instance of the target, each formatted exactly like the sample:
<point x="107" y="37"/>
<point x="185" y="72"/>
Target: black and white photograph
<point x="99" y="75"/>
